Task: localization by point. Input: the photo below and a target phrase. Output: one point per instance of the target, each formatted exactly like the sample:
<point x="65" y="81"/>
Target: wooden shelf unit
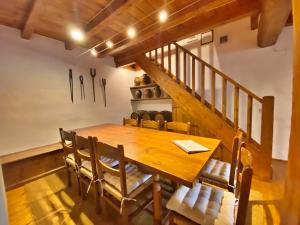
<point x="151" y="86"/>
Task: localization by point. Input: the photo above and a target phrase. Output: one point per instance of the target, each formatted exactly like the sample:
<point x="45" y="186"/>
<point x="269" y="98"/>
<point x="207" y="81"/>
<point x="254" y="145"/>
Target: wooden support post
<point x="266" y="140"/>
<point x="184" y="69"/>
<point x="249" y="117"/>
<point x="150" y="55"/>
<point x="291" y="213"/>
<point x="169" y="58"/>
<point x="203" y="83"/>
<point x="193" y="77"/>
<point x="156" y="58"/>
<point x="254" y="21"/>
<point x="213" y="91"/>
<point x="236" y="106"/>
<point x="177" y="64"/>
<point x="224" y="98"/>
<point x="162" y="54"/>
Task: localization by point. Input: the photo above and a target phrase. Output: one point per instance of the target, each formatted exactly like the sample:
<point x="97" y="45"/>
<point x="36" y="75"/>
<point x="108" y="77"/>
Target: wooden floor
<point x="49" y="201"/>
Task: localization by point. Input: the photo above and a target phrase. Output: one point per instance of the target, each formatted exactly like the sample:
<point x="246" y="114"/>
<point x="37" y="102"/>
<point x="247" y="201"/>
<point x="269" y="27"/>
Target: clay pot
<point x="137" y="81"/>
<point x="157" y="92"/>
<point x="146" y="79"/>
<point x="148" y="93"/>
<point x="138" y="94"/>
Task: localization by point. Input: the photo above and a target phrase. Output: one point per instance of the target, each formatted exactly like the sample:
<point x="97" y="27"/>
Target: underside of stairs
<point x="181" y="86"/>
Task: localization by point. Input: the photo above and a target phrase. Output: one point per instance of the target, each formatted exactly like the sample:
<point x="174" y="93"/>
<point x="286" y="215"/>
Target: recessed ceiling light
<point x="131" y="32"/>
<point x="77" y="34"/>
<point x="94" y="52"/>
<point x="109" y="44"/>
<point x="163" y="16"/>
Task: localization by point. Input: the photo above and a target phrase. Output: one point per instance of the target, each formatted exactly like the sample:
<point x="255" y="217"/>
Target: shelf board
<point x="144" y="99"/>
<point x="144" y="86"/>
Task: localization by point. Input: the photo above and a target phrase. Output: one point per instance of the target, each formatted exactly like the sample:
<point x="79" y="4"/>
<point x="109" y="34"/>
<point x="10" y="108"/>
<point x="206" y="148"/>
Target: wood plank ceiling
<point x="104" y="20"/>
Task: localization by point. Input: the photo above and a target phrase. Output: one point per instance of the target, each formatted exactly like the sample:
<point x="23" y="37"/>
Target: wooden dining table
<point x="155" y="151"/>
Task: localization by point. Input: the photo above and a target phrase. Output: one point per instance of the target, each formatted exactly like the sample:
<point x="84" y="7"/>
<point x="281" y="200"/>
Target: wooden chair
<point x="130" y="122"/>
<point x="150" y="124"/>
<point x="221" y="173"/>
<point x="67" y="141"/>
<point x="120" y="186"/>
<point x="178" y="127"/>
<point x="204" y="204"/>
<point x="87" y="166"/>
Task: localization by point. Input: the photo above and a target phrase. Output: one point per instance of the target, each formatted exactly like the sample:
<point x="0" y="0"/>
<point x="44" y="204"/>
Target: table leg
<point x="157" y="209"/>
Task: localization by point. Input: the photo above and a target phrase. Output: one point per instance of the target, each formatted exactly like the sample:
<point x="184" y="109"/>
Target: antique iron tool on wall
<point x="93" y="74"/>
<point x="103" y="80"/>
<point x="71" y="83"/>
<point x="82" y="93"/>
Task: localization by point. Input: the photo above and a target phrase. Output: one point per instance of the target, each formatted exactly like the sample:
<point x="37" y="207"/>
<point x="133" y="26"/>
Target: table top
<point x="154" y="149"/>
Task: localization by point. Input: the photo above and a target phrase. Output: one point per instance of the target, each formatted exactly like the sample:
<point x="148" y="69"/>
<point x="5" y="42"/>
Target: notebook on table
<point x="190" y="146"/>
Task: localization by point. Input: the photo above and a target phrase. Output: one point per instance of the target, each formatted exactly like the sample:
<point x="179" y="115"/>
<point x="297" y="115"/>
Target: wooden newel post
<point x="266" y="138"/>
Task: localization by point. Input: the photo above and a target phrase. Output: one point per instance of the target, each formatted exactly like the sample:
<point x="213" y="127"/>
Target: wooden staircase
<point x="192" y="84"/>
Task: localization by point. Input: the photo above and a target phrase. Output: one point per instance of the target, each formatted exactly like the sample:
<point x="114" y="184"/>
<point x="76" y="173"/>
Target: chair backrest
<point x="178" y="127"/>
<point x="67" y="141"/>
<point x="237" y="140"/>
<point x="84" y="151"/>
<point x="130" y="122"/>
<point x="116" y="153"/>
<point x="150" y="124"/>
<point x="244" y="178"/>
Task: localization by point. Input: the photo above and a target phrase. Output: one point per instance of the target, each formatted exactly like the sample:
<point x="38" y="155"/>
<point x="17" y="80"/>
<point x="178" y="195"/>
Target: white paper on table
<point x="190" y="146"/>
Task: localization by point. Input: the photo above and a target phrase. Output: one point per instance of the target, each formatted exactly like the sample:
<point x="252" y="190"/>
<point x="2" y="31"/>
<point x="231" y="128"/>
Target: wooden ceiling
<point x="109" y="19"/>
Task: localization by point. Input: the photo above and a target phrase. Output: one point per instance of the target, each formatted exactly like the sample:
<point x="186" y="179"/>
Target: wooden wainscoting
<point x="23" y="167"/>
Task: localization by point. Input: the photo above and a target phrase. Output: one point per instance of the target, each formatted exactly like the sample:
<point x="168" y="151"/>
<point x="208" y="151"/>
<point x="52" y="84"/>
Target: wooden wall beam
<point x="274" y="15"/>
<point x="291" y="215"/>
<point x="103" y="17"/>
<point x="206" y="20"/>
<point x="31" y="19"/>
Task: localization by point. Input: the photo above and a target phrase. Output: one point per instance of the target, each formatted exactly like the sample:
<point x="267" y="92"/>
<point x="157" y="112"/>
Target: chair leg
<point x="125" y="214"/>
<point x="104" y="209"/>
<point x="79" y="186"/>
<point x="171" y="218"/>
<point x="69" y="176"/>
<point x="97" y="199"/>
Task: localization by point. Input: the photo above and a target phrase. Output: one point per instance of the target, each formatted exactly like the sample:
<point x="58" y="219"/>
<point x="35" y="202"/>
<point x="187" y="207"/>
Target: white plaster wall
<point x="34" y="89"/>
<point x="265" y="71"/>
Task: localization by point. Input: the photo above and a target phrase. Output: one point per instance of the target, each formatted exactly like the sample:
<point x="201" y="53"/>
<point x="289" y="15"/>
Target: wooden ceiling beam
<point x="274" y="16"/>
<point x="104" y="17"/>
<point x="31" y="19"/>
<point x="204" y="21"/>
<point x="178" y="18"/>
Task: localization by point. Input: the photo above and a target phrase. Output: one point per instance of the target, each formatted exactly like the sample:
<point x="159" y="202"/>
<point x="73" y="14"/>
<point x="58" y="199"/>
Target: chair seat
<point x="87" y="166"/>
<point x="136" y="182"/>
<point x="204" y="204"/>
<point x="217" y="170"/>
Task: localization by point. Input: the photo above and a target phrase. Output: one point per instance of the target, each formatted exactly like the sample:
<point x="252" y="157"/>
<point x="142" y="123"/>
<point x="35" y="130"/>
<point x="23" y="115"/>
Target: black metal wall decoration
<point x="103" y="81"/>
<point x="71" y="83"/>
<point x="82" y="92"/>
<point x="93" y="75"/>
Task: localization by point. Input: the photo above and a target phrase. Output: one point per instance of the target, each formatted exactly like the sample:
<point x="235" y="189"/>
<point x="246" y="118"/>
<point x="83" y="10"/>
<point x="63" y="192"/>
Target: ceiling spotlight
<point x="163" y="16"/>
<point x="94" y="52"/>
<point x="131" y="32"/>
<point x="77" y="34"/>
<point x="109" y="44"/>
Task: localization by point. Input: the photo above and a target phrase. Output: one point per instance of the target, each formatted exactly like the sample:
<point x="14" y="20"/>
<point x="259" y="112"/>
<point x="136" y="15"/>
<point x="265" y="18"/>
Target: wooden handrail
<point x="248" y="92"/>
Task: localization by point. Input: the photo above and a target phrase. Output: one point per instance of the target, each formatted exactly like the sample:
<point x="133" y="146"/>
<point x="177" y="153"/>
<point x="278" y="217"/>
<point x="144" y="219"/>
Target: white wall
<point x="34" y="89"/>
<point x="265" y="71"/>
